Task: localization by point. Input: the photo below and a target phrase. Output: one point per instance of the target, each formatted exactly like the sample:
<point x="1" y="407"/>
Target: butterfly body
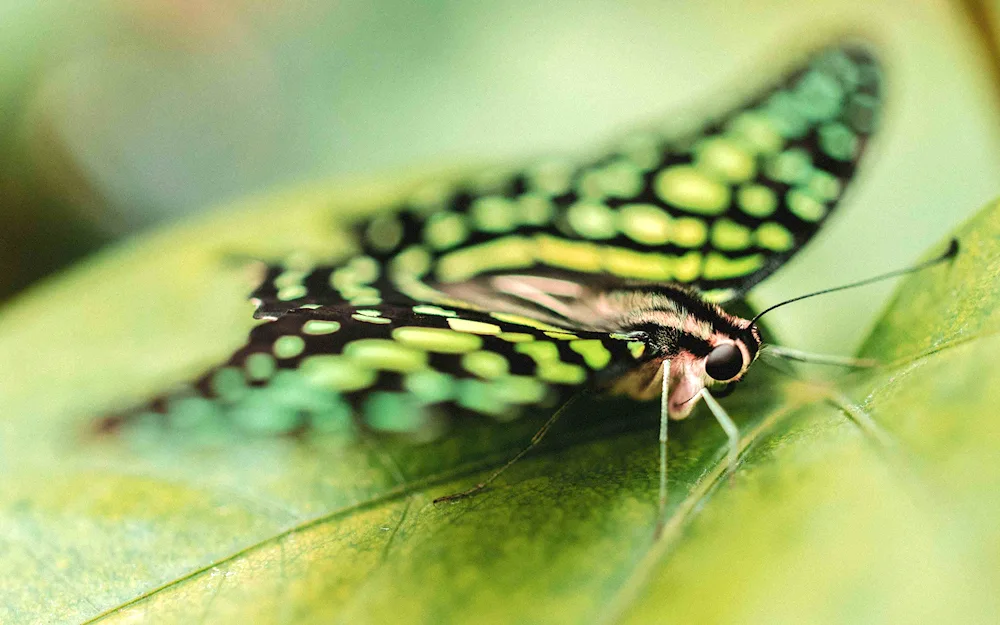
<point x="517" y="290"/>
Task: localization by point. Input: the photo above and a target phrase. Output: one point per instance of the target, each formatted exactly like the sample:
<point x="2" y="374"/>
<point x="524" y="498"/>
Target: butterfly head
<point x="704" y="346"/>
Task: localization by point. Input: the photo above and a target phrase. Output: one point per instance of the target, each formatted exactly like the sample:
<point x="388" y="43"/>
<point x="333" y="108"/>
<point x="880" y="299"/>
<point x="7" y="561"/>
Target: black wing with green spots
<point x="390" y="338"/>
<point x="718" y="209"/>
<point x="396" y="369"/>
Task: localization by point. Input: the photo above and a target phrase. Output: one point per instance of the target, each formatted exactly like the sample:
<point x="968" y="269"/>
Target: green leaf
<point x="825" y="520"/>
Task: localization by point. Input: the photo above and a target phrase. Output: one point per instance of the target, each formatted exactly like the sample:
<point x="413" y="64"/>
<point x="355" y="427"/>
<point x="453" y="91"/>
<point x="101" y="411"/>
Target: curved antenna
<point x="950" y="253"/>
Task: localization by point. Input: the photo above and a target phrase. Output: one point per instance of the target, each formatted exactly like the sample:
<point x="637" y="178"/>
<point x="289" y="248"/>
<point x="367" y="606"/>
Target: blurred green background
<point x="118" y="115"/>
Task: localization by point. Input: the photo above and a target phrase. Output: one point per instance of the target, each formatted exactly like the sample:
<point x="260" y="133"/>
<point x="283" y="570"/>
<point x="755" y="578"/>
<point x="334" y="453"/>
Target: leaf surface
<point x="825" y="521"/>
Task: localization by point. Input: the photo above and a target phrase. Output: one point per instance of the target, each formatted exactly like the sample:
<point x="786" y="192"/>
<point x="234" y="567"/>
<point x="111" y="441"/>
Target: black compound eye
<point x="724" y="362"/>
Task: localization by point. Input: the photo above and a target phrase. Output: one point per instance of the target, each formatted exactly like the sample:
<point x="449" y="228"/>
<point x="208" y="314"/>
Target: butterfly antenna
<point x="950" y="253"/>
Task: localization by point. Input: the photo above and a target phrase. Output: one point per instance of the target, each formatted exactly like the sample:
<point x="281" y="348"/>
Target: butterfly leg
<point x="732" y="432"/>
<point x="537" y="438"/>
<point x="661" y="514"/>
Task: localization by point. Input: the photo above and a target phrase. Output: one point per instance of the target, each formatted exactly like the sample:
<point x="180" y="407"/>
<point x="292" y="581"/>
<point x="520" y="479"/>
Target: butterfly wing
<point x="393" y="369"/>
<point x="418" y="326"/>
<point x="718" y="210"/>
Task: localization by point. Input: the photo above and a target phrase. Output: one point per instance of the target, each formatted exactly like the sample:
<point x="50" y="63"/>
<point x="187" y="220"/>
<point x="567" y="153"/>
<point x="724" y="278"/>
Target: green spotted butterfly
<point x="517" y="290"/>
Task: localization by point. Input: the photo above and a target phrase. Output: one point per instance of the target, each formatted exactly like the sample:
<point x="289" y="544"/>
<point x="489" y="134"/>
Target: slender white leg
<point x="664" y="420"/>
<point x="732" y="432"/>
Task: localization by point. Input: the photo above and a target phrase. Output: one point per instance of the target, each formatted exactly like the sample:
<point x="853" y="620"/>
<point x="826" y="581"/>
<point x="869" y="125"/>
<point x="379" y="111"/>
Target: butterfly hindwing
<point x="397" y="369"/>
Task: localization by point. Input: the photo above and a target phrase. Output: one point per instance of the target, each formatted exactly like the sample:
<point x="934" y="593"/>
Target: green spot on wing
<point x="289" y="346"/>
<point x="691" y="189"/>
<point x="337" y="373"/>
<point x="430" y="386"/>
<point x="319" y="327"/>
<point x="259" y="366"/>
<point x="393" y="412"/>
<point x="485" y="364"/>
<point x="593" y="351"/>
<point x="229" y="383"/>
<point x="439" y="340"/>
<point x="386" y="355"/>
<point x="539" y="351"/>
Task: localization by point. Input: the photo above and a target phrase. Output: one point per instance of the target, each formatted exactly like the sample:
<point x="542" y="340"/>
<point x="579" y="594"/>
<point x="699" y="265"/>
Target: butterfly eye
<point x="724" y="362"/>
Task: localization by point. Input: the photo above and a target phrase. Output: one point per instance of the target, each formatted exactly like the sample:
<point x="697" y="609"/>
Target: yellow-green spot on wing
<point x="756" y="200"/>
<point x="524" y="321"/>
<point x="793" y="166"/>
<point x="823" y="186"/>
<point x="687" y="267"/>
<point x="838" y="141"/>
<point x="784" y="111"/>
<point x="337" y="373"/>
<point x="539" y="351"/>
<point x="364" y="269"/>
<point x="288" y="346"/>
<point x="644" y="223"/>
<point x="592" y="220"/>
<point x="293" y="291"/>
<point x="718" y="267"/>
<point x="691" y="189"/>
<point x="473" y="327"/>
<point x="511" y="252"/>
<point x="426" y="309"/>
<point x="535" y="210"/>
<point x="386" y="354"/>
<point x="773" y="236"/>
<point x="290" y="277"/>
<point x="637" y="348"/>
<point x="485" y="364"/>
<point x="481" y="397"/>
<point x="520" y="389"/>
<point x="445" y="230"/>
<point x="318" y="327"/>
<point x="757" y="131"/>
<point x="413" y="261"/>
<point x="689" y="232"/>
<point x="818" y="96"/>
<point x="439" y="340"/>
<point x="726" y="159"/>
<point x="729" y="235"/>
<point x="594" y="353"/>
<point x="384" y="232"/>
<point x="387" y="411"/>
<point x="576" y="255"/>
<point x="803" y="206"/>
<point x="370" y="319"/>
<point x="516" y="337"/>
<point x="561" y="336"/>
<point x="229" y="383"/>
<point x="430" y="386"/>
<point x="632" y="264"/>
<point x="494" y="214"/>
<point x="561" y="372"/>
<point x="259" y="366"/>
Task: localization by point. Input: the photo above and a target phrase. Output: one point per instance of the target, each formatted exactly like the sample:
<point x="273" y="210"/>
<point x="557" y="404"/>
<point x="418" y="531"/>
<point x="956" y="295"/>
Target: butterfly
<point x="513" y="291"/>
